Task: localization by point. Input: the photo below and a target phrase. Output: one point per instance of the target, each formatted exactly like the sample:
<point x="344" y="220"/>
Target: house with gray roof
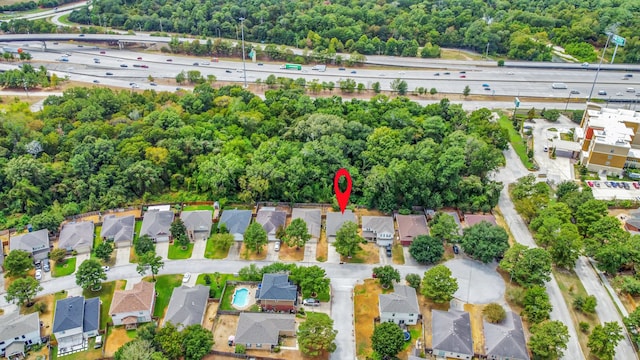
<point x="400" y="306"/>
<point x="77" y="236"/>
<point x="187" y="306"/>
<point x="75" y="320"/>
<point x="271" y="219"/>
<point x="277" y="293"/>
<point x="313" y="219"/>
<point x="198" y="224"/>
<point x="263" y="330"/>
<point x="118" y="229"/>
<point x="35" y="243"/>
<point x="237" y="222"/>
<point x="18" y="333"/>
<point x="156" y="224"/>
<point x="506" y="340"/>
<point x="335" y="220"/>
<point x="451" y="334"/>
<point x="379" y="229"/>
<point x="1" y="258"/>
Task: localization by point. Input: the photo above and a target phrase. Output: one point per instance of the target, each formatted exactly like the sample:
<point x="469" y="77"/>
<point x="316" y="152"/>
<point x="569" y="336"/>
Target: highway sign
<point x="618" y="40"/>
<point x="517" y="102"/>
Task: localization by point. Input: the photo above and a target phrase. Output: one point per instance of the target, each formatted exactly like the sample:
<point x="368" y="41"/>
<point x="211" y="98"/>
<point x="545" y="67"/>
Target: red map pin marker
<point x="342" y="197"/>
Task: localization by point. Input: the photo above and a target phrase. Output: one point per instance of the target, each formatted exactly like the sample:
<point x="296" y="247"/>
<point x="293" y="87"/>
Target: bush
<point x="40" y="307"/>
<point x="584" y="326"/>
<point x="516" y="295"/>
<point x="240" y="349"/>
<point x="207" y="279"/>
<point x="628" y="285"/>
<point x="404" y="212"/>
<point x="276" y="349"/>
<point x="494" y="313"/>
<point x="500" y="63"/>
<point x="413" y="280"/>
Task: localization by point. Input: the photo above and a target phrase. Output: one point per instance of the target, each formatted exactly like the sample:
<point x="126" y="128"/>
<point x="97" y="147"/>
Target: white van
<point x="559" y="86"/>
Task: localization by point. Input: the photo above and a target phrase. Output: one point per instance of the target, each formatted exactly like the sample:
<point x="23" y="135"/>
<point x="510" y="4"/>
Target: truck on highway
<point x="321" y="68"/>
<point x="558" y="86"/>
<point x="291" y="67"/>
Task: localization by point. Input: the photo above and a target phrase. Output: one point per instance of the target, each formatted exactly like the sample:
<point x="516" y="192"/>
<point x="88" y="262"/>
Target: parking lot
<point x="610" y="190"/>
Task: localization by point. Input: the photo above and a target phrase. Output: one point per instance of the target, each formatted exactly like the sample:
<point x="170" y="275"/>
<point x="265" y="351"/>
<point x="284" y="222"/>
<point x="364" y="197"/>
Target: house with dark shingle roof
<point x="134" y="306"/>
<point x="237" y="222"/>
<point x="18" y="333"/>
<point x="118" y="229"/>
<point x="472" y="219"/>
<point x="156" y="224"/>
<point x="35" y="243"/>
<point x="451" y="334"/>
<point x="198" y="224"/>
<point x="400" y="306"/>
<point x="187" y="306"/>
<point x="277" y="293"/>
<point x="506" y="340"/>
<point x="313" y="219"/>
<point x="75" y="320"/>
<point x="263" y="330"/>
<point x="271" y="219"/>
<point x="77" y="236"/>
<point x="410" y="226"/>
<point x="379" y="229"/>
<point x="335" y="220"/>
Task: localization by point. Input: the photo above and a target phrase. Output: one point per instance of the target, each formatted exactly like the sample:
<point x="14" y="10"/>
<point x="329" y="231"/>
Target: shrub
<point x="413" y="280"/>
<point x="500" y="63"/>
<point x="494" y="313"/>
<point x="41" y="307"/>
<point x="240" y="349"/>
<point x="207" y="279"/>
<point x="404" y="212"/>
<point x="584" y="326"/>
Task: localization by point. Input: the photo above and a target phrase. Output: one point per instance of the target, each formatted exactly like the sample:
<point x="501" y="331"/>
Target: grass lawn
<point x="322" y="247"/>
<point x="106" y="295"/>
<point x="516" y="141"/>
<point x="212" y="251"/>
<point x="217" y="282"/>
<point x="164" y="288"/>
<point x="65" y="269"/>
<point x="197" y="207"/>
<point x="133" y="258"/>
<point x="292" y="253"/>
<point x="369" y="253"/>
<point x="251" y="255"/>
<point x="225" y="302"/>
<point x="365" y="299"/>
<point x="570" y="286"/>
<point x="397" y="254"/>
<point x="176" y="252"/>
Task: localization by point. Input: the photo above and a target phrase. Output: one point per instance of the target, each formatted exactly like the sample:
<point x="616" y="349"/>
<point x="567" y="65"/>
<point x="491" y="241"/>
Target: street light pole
<point x="567" y="106"/>
<point x="595" y="79"/>
<point x="244" y="63"/>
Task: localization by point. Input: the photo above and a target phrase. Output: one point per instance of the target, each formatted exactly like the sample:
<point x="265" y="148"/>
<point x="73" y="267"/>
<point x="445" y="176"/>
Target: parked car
<point x="626" y="185"/>
<point x="607" y="184"/>
<point x="276" y="247"/>
<point x="106" y="268"/>
<point x="196" y="64"/>
<point x="310" y="302"/>
<point x="590" y="183"/>
<point x="597" y="184"/>
<point x="456" y="249"/>
<point x="153" y="84"/>
<point x="38" y="274"/>
<point x="38" y="264"/>
<point x="46" y="267"/>
<point x="575" y="92"/>
<point x="635" y="185"/>
<point x="388" y="250"/>
<point x="139" y="57"/>
<point x="169" y="60"/>
<point x="186" y="277"/>
<point x="124" y="65"/>
<point x="614" y="184"/>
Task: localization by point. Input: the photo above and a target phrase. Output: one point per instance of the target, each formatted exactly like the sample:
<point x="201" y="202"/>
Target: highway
<point x="498" y="81"/>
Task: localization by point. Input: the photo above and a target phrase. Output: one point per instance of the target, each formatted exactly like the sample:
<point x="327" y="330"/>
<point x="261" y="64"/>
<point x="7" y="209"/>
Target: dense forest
<point x="95" y="148"/>
<point x="519" y="29"/>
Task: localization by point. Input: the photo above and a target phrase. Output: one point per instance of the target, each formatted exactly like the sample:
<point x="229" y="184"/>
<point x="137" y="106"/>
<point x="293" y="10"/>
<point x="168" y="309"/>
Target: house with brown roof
<point x="133" y="307"/>
<point x="410" y="226"/>
<point x="472" y="219"/>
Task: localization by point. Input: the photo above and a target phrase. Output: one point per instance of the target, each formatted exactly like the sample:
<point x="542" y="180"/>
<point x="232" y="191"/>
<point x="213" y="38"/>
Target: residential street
<point x="512" y="171"/>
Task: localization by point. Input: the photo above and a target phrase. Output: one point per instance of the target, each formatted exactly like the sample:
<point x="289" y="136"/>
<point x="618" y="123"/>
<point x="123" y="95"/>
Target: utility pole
<point x="487" y="51"/>
<point x="244" y="63"/>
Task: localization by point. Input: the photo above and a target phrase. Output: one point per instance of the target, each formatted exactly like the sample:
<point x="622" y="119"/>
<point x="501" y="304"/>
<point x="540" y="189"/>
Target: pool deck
<point x="251" y="297"/>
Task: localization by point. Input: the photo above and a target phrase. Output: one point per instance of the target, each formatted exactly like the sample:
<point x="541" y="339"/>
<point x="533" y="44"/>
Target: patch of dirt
<point x="116" y="339"/>
<point x="369" y="254"/>
<point x="475" y="313"/>
<point x="245" y="254"/>
<point x="210" y="315"/>
<point x="291" y="253"/>
<point x="223" y="327"/>
<point x="365" y="299"/>
<point x="426" y="305"/>
<point x="322" y="247"/>
<point x="366" y="212"/>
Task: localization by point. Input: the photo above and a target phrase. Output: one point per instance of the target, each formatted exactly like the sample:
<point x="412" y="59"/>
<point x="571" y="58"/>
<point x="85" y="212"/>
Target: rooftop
<point x="15" y="325"/>
<point x="139" y="298"/>
<point x="76" y="234"/>
<point x="506" y="339"/>
<point x="187" y="305"/>
<point x="263" y="328"/>
<point x="403" y="299"/>
<point x="313" y="218"/>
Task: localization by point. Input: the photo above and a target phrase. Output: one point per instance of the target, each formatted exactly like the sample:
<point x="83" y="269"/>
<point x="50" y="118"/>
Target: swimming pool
<point x="241" y="297"/>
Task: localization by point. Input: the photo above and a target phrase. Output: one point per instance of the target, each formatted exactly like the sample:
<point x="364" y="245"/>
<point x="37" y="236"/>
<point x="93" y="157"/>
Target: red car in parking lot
<point x="590" y="183"/>
<point x="635" y="185"/>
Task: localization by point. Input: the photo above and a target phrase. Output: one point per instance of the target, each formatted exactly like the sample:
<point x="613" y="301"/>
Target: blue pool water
<point x="240" y="297"/>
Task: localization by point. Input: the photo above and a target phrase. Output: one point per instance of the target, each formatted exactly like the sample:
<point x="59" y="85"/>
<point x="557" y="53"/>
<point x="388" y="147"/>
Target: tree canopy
<point x="387" y="339"/>
<point x="90" y="275"/>
<point x="484" y="241"/>
<point x="17" y="263"/>
<point x="316" y="335"/>
<point x="426" y="249"/>
<point x="438" y="284"/>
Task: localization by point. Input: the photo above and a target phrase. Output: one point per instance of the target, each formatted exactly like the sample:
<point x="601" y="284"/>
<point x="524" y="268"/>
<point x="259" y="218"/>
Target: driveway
<point x="272" y="255"/>
<point x="122" y="256"/>
<point x="199" y="246"/>
<point x="342" y="308"/>
<point x="478" y="283"/>
<point x="234" y="251"/>
<point x="310" y="250"/>
<point x="162" y="249"/>
<point x="332" y="255"/>
<point x="408" y="259"/>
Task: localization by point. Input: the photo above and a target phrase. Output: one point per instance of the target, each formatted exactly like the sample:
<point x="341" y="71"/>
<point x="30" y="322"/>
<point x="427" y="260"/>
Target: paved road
<point x="514" y="170"/>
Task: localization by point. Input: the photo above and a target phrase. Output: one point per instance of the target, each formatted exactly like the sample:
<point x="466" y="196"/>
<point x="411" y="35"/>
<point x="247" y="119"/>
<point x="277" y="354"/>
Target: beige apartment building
<point x="609" y="139"/>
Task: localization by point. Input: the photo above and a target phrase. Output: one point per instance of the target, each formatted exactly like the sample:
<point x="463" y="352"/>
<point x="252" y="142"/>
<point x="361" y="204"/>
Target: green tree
<point x="632" y="323"/>
<point x="347" y="239"/>
<point x="566" y="246"/>
<point x="255" y="237"/>
<point x="150" y="261"/>
<point x="179" y="232"/>
<point x="494" y="313"/>
<point x="49" y="220"/>
<point x="466" y="91"/>
<point x="413" y="280"/>
<point x="312" y="280"/>
<point x="387" y="340"/>
<point x="484" y="241"/>
<point x="144" y="244"/>
<point x="586" y="304"/>
<point x="316" y="335"/>
<point x="533" y="268"/>
<point x="549" y="340"/>
<point x="444" y="227"/>
<point x="169" y="340"/>
<point x="588" y="213"/>
<point x="181" y="77"/>
<point x="18" y="263"/>
<point x="438" y="284"/>
<point x="511" y="257"/>
<point x="400" y="86"/>
<point x="58" y="255"/>
<point x="104" y="250"/>
<point x="90" y="275"/>
<point x="223" y="241"/>
<point x="604" y="339"/>
<point x="297" y="234"/>
<point x="196" y="342"/>
<point x="387" y="275"/>
<point x="23" y="290"/>
<point x="537" y="306"/>
<point x="138" y="349"/>
<point x="250" y="273"/>
<point x="426" y="249"/>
